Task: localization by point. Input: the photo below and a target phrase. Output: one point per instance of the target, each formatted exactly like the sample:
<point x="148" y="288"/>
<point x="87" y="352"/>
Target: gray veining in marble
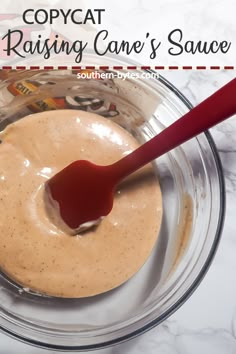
<point x="206" y="323"/>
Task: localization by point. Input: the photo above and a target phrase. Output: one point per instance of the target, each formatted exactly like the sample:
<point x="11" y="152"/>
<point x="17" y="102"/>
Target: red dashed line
<point x="118" y="67"/>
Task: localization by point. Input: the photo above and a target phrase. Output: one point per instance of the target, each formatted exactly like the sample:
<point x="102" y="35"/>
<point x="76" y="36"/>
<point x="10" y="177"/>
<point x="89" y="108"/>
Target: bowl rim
<point x="196" y="282"/>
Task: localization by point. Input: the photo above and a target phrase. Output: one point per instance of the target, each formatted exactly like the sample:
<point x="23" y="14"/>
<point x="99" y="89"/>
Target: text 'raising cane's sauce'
<point x="33" y="251"/>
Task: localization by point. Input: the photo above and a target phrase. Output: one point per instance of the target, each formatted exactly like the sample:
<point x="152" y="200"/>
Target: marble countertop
<point x="206" y="323"/>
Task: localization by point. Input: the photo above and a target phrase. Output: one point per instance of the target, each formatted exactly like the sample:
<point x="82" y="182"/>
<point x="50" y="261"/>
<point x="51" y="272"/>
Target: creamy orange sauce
<point x="183" y="230"/>
<point x="40" y="256"/>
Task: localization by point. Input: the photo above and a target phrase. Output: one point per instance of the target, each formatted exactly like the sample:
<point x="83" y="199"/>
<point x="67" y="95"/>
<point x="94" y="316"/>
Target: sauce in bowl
<point x="36" y="253"/>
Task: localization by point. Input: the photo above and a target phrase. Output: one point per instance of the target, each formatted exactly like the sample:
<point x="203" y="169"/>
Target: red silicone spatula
<point x="85" y="191"/>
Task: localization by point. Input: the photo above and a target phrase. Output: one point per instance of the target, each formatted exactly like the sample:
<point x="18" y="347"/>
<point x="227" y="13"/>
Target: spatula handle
<point x="218" y="107"/>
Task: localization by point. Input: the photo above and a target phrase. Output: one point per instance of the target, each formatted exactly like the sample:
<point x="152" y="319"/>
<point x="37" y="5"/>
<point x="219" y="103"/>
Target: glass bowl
<point x="192" y="186"/>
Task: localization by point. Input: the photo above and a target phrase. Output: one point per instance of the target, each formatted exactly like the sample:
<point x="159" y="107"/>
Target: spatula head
<point x="83" y="192"/>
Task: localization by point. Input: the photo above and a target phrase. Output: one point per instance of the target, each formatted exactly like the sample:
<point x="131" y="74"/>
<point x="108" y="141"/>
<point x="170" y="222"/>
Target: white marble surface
<point x="206" y="323"/>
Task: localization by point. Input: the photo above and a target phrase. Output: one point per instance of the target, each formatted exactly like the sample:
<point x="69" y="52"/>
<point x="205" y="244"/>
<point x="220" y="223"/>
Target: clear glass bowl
<point x="193" y="202"/>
